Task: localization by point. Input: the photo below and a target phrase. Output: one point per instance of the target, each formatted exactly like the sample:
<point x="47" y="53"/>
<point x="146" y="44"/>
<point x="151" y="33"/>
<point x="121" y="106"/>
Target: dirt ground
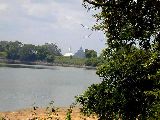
<point x="41" y="114"/>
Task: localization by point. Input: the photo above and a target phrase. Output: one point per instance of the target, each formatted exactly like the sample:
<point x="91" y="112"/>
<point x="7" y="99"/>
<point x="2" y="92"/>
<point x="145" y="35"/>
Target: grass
<point x="69" y="60"/>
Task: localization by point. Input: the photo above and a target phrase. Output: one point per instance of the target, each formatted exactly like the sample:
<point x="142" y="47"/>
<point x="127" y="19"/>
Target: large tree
<point x="130" y="87"/>
<point x="127" y="21"/>
<point x="53" y="49"/>
<point x="27" y="52"/>
<point x="90" y="53"/>
<point x="13" y="49"/>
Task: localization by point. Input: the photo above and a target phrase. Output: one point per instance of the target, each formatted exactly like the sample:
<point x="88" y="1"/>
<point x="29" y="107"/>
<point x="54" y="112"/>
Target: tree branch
<point x="97" y="4"/>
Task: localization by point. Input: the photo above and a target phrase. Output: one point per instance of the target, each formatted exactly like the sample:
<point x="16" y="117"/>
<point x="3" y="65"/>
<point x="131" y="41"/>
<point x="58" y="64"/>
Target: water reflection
<point x="27" y="66"/>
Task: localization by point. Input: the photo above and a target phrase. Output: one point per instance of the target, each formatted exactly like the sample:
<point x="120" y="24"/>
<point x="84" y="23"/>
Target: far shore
<point x="8" y="61"/>
<point x="40" y="113"/>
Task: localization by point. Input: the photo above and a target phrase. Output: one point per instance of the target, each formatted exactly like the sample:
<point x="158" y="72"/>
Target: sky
<point x="49" y="21"/>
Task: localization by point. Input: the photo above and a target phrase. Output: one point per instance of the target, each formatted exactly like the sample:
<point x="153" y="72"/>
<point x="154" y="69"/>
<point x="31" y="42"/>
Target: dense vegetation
<point x="45" y="53"/>
<point x="28" y="52"/>
<point x="130" y="88"/>
<point x="91" y="58"/>
<point x="69" y="60"/>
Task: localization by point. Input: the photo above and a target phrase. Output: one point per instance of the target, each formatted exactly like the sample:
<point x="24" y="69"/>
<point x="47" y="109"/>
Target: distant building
<point x="69" y="53"/>
<point x="80" y="53"/>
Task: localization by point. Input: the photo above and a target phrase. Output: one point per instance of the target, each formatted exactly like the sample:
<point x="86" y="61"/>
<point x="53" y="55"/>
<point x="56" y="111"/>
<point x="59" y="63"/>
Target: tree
<point x="122" y="93"/>
<point x="130" y="87"/>
<point x="50" y="58"/>
<point x="13" y="49"/>
<point x="47" y="52"/>
<point x="91" y="56"/>
<point x="90" y="53"/>
<point x="91" y="62"/>
<point x="3" y="54"/>
<point x="53" y="49"/>
<point x="127" y="22"/>
<point x="27" y="53"/>
<point x="41" y="52"/>
<point x="3" y="45"/>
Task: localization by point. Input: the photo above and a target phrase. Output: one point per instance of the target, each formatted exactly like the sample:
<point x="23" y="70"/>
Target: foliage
<point x="69" y="111"/>
<point x="91" y="62"/>
<point x="53" y="49"/>
<point x="50" y="58"/>
<point x="69" y="60"/>
<point x="3" y="54"/>
<point x="131" y="80"/>
<point x="91" y="58"/>
<point x="3" y="45"/>
<point x="68" y="115"/>
<point x="2" y="118"/>
<point x="126" y="78"/>
<point x="28" y="52"/>
<point x="12" y="50"/>
<point x="51" y="111"/>
<point x="41" y="52"/>
<point x="90" y="53"/>
<point x="127" y="22"/>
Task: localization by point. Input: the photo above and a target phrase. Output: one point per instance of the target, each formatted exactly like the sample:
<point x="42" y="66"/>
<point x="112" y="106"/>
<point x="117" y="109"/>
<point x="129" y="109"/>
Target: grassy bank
<point x="69" y="60"/>
<point x="59" y="61"/>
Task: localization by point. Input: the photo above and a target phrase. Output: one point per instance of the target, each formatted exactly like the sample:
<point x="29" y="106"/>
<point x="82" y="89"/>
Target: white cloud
<point x="40" y="21"/>
<point x="38" y="10"/>
<point x="66" y="16"/>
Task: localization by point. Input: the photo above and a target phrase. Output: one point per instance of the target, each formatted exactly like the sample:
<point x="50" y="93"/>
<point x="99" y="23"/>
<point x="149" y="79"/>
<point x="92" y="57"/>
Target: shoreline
<point x="41" y="113"/>
<point x="44" y="64"/>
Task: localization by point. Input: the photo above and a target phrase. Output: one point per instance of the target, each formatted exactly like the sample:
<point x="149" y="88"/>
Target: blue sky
<point x="41" y="21"/>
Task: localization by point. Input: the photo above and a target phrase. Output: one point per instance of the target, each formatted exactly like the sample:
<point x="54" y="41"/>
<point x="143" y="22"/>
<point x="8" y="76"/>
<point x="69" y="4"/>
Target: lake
<point x="22" y="86"/>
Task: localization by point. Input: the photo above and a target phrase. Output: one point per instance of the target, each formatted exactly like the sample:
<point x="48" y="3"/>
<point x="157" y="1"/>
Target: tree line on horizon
<point x="28" y="52"/>
<point x="49" y="52"/>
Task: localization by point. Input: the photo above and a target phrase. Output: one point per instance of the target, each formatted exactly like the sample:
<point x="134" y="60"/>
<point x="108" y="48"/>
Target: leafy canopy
<point x="127" y="21"/>
<point x="130" y="86"/>
<point x="28" y="52"/>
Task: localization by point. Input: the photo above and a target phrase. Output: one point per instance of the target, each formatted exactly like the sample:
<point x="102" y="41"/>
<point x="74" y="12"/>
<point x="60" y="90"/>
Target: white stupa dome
<point x="68" y="54"/>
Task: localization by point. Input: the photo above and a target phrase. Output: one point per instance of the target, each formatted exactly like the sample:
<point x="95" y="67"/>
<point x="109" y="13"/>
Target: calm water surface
<point x="23" y="85"/>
